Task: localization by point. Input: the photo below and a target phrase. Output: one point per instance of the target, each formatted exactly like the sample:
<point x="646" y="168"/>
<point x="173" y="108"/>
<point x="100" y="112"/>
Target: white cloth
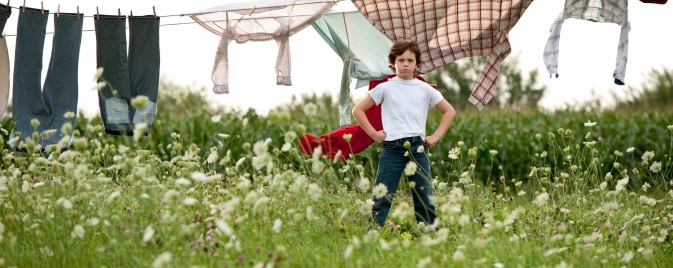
<point x="4" y="76"/>
<point x="260" y="20"/>
<point x="404" y="106"/>
<point x="610" y="11"/>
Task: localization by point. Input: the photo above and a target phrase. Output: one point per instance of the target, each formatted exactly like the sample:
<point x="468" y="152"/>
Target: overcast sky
<point x="587" y="54"/>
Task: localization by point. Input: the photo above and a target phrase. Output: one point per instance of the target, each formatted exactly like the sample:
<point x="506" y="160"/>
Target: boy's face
<point x="405" y="65"/>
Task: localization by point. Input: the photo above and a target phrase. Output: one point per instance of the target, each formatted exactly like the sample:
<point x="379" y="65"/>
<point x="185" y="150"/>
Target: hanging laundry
<point x="363" y="49"/>
<point x="5" y="12"/>
<point x="661" y="2"/>
<point x="258" y="21"/>
<point x="128" y="76"/>
<point x="333" y="142"/>
<point x="610" y="11"/>
<point x="60" y="93"/>
<point x="455" y="29"/>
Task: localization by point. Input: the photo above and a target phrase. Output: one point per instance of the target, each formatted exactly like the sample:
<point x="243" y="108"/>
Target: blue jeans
<point x="48" y="104"/>
<point x="130" y="75"/>
<point x="391" y="167"/>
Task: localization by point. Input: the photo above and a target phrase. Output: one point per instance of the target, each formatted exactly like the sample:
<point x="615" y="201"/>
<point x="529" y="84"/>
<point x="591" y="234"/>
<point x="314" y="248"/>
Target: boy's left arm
<point x="448" y="113"/>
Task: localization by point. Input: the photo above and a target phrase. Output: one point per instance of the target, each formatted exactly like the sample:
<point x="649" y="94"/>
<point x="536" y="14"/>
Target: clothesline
<point x="162" y="16"/>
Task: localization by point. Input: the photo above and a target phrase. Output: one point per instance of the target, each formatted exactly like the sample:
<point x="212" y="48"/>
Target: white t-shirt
<point x="404" y="106"/>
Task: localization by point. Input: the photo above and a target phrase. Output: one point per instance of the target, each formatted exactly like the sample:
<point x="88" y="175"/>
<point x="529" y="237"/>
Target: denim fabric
<point x="130" y="76"/>
<point x="391" y="167"/>
<point x="60" y="91"/>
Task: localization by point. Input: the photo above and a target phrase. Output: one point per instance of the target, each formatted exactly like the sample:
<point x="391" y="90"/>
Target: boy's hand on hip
<point x="379" y="136"/>
<point x="431" y="141"/>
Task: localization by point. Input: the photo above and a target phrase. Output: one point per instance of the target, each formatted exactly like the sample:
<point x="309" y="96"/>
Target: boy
<point x="404" y="108"/>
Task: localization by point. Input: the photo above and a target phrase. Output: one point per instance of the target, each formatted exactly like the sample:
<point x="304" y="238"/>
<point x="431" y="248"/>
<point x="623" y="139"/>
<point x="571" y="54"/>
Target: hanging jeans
<point x="127" y="77"/>
<point x="30" y="100"/>
<point x="4" y="61"/>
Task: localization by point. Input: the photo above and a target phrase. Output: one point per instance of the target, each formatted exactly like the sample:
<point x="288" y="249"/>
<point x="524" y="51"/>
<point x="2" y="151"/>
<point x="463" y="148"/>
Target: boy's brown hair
<point x="399" y="48"/>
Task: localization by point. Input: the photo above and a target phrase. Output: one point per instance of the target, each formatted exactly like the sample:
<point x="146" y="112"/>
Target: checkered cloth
<point x="260" y="20"/>
<point x="449" y="30"/>
<point x="611" y="11"/>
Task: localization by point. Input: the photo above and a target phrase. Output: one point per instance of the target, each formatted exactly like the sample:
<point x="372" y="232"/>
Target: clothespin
<point x="155" y="12"/>
<point x="7" y="4"/>
<point x="77" y="12"/>
<point x="97" y="14"/>
<point x="119" y="14"/>
<point x="24" y="6"/>
<point x="58" y="11"/>
<point x="131" y="17"/>
<point x="42" y="7"/>
<point x="251" y="11"/>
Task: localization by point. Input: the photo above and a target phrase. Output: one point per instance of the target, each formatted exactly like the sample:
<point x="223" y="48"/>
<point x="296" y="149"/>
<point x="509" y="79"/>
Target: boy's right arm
<point x="360" y="116"/>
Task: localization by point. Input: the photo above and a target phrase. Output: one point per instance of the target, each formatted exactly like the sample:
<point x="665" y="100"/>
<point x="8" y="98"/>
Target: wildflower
<point x="98" y="74"/>
<point x="453" y="156"/>
<point x="261" y="204"/>
<point x="472" y="152"/>
<point x="348" y="252"/>
<point x="212" y="157"/>
<point x="366" y="207"/>
<point x="199" y="176"/>
<point x="655" y="167"/>
<point x="498" y="265"/>
<point x="34" y="122"/>
<point x="463" y="220"/>
<point x="410" y="169"/>
<point x="647" y="201"/>
<point x="455" y="195"/>
<point x="223" y="135"/>
<point x="541" y="199"/>
<point x="314" y="191"/>
<point x="364" y="184"/>
<point x="648" y="155"/>
<point x="589" y="144"/>
<point x="77" y="232"/>
<point x="310" y="109"/>
<point x="148" y="234"/>
<point x="589" y="124"/>
<point x="521" y="193"/>
<point x="630" y="150"/>
<point x="407" y="144"/>
<point x="244" y="122"/>
<point x="460" y="143"/>
<point x="318" y="166"/>
<point x="670" y="127"/>
<point x="69" y="115"/>
<point x="543" y="154"/>
<point x="276" y="225"/>
<point x="189" y="201"/>
<point x="627" y="257"/>
<point x="493" y="152"/>
<point x="424" y="262"/>
<point x="347" y="137"/>
<point x="420" y="149"/>
<point x="380" y="190"/>
<point x="139" y="102"/>
<point x="216" y="118"/>
<point x="65" y="202"/>
<point x="538" y="136"/>
<point x="162" y="260"/>
<point x="403" y="211"/>
<point x="240" y="161"/>
<point x="223" y="227"/>
<point x="458" y="257"/>
<point x="99" y="86"/>
<point x="112" y="196"/>
<point x="621" y="183"/>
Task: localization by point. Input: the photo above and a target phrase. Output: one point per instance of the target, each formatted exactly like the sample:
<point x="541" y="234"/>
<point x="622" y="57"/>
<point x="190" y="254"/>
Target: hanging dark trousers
<point x="59" y="96"/>
<point x="132" y="76"/>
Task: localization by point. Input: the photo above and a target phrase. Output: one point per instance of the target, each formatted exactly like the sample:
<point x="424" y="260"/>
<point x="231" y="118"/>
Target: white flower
<point x="148" y="234"/>
<point x="500" y="265"/>
<point x="627" y="257"/>
<point x="286" y="147"/>
<point x="223" y="135"/>
<point x="25" y="187"/>
<point x="630" y="150"/>
<point x="260" y="148"/>
<point x="420" y="149"/>
<point x="648" y="155"/>
<point x="521" y="193"/>
<point x="410" y="169"/>
<point x="589" y="143"/>
<point x="380" y="190"/>
<point x="348" y="252"/>
<point x="276" y="225"/>
<point x="216" y="118"/>
<point x="290" y="136"/>
<point x="77" y="232"/>
<point x="647" y="201"/>
<point x="69" y="115"/>
<point x="113" y="195"/>
<point x="541" y="199"/>
<point x="621" y="183"/>
<point x="224" y="227"/>
<point x="347" y="137"/>
<point x="317" y="166"/>
<point x="182" y="182"/>
<point x="189" y="201"/>
<point x="98" y="74"/>
<point x="655" y="167"/>
<point x="260" y="204"/>
<point x="65" y="202"/>
<point x="589" y="124"/>
<point x="403" y="211"/>
<point x="670" y="127"/>
<point x="162" y="260"/>
<point x="464" y="220"/>
<point x="314" y="191"/>
<point x="310" y="109"/>
<point x="458" y="256"/>
<point x="364" y="184"/>
<point x="199" y="176"/>
<point x="493" y="152"/>
<point x="240" y="161"/>
<point x="366" y="208"/>
<point x="453" y="156"/>
<point x="424" y="262"/>
<point x="212" y="157"/>
<point x="460" y="143"/>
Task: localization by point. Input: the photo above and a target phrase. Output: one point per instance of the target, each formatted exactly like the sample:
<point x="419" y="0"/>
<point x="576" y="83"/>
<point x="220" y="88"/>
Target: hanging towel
<point x="128" y="76"/>
<point x="4" y="61"/>
<point x="333" y="142"/>
<point x="60" y="93"/>
<point x="609" y="11"/>
<point x="449" y="30"/>
<point x="363" y="49"/>
<point x="260" y="20"/>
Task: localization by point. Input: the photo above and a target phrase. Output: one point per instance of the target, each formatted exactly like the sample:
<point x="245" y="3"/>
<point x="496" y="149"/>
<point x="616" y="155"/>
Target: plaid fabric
<point x="612" y="11"/>
<point x="449" y="30"/>
<point x="260" y="20"/>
